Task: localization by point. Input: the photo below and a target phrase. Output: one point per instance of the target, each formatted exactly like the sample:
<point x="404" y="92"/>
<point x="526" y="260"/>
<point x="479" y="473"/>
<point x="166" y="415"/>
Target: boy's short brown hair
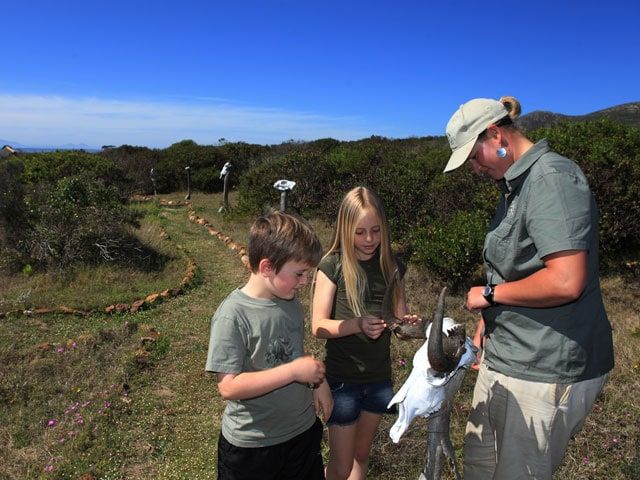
<point x="282" y="237"/>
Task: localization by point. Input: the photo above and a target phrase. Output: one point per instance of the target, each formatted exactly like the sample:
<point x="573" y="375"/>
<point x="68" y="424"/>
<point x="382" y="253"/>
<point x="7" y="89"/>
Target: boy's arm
<point x="245" y="385"/>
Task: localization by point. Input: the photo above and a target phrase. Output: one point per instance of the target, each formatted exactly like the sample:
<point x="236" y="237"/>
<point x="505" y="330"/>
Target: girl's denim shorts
<point x="349" y="399"/>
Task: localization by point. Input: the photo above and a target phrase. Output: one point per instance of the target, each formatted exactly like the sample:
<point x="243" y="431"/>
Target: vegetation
<point x="125" y="395"/>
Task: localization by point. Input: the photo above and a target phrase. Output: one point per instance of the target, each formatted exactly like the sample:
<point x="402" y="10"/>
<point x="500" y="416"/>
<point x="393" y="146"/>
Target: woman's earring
<point x="501" y="152"/>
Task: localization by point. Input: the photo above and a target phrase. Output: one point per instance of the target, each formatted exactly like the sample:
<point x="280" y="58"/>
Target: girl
<point x="350" y="286"/>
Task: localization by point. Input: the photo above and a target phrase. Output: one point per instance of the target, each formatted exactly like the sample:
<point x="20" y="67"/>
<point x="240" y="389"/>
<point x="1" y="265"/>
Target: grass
<point x="126" y="396"/>
<point x="91" y="288"/>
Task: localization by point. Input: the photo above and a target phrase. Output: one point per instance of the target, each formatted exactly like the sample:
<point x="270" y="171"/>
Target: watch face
<point x="487" y="291"/>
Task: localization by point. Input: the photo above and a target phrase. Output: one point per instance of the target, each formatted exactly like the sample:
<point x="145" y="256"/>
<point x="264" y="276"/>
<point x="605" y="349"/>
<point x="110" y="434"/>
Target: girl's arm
<point x="253" y="384"/>
<point x="561" y="281"/>
<point x="323" y="400"/>
<point x="323" y="326"/>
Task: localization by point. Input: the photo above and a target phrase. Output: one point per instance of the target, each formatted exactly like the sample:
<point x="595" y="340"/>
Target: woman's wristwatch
<point x="487" y="293"/>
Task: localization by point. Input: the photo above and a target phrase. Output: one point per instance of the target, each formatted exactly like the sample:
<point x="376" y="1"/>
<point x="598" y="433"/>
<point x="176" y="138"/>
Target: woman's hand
<point x="475" y="300"/>
<point x="411" y="319"/>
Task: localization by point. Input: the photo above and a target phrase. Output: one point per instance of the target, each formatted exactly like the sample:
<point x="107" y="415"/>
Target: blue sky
<point x="154" y="73"/>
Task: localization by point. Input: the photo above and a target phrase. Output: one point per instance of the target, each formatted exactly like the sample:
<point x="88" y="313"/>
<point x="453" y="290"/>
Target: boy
<point x="269" y="426"/>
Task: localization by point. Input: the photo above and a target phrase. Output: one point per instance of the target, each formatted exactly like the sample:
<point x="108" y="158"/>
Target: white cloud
<point x="35" y="120"/>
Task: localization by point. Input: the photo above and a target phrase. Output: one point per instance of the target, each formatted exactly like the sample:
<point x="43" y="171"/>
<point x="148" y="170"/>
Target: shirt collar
<point x="514" y="176"/>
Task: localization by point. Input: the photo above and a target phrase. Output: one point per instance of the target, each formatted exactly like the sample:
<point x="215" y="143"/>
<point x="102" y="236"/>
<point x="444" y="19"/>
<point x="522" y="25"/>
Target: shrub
<point x="452" y="250"/>
<point x="609" y="155"/>
<point x="314" y="188"/>
<point x="14" y="215"/>
<point x="78" y="220"/>
<point x="136" y="164"/>
<point x="53" y="166"/>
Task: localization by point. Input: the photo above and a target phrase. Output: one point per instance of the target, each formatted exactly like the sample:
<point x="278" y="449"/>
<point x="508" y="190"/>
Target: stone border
<point x="241" y="250"/>
<point x="136" y="306"/>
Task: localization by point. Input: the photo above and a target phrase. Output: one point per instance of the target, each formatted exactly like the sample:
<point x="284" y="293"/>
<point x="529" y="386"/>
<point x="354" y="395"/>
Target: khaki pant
<point x="519" y="429"/>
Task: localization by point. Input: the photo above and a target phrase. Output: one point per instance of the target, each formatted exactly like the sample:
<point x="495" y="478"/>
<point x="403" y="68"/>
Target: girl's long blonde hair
<point x="353" y="207"/>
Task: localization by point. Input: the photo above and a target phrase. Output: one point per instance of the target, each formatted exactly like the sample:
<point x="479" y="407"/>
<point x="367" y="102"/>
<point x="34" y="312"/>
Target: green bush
<point x="207" y="179"/>
<point x="136" y="164"/>
<point x="609" y="155"/>
<point x="53" y="166"/>
<point x="452" y="250"/>
<point x="14" y="214"/>
<point x="78" y="220"/>
<point x="314" y="184"/>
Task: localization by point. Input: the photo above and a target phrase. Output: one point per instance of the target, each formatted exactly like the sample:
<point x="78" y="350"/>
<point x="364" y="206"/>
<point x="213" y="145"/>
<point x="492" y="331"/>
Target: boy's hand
<point x="372" y="327"/>
<point x="307" y="369"/>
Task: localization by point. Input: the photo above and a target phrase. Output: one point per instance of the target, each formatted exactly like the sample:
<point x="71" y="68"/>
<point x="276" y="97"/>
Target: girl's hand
<point x="323" y="401"/>
<point x="372" y="327"/>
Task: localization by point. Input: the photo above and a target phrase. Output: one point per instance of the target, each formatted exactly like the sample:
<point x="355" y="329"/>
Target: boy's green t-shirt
<point x="249" y="335"/>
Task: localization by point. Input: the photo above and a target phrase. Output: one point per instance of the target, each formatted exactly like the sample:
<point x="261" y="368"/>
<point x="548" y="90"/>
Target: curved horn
<point x="388" y="307"/>
<point x="435" y="348"/>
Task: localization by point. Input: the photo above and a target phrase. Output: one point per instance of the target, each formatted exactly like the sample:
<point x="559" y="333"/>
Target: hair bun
<point x="512" y="105"/>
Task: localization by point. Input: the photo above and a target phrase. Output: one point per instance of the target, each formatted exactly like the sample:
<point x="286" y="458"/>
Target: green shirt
<point x="357" y="358"/>
<point x="250" y="335"/>
<point x="546" y="207"/>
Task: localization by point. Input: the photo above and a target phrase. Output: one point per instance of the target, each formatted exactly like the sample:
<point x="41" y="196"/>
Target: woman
<point x="548" y="345"/>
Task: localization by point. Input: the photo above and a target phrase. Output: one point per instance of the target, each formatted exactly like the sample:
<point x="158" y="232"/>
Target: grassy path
<point x="187" y="396"/>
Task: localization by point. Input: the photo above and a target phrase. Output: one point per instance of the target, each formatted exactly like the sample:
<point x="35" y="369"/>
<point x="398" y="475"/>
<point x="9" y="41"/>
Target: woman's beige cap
<point x="469" y="121"/>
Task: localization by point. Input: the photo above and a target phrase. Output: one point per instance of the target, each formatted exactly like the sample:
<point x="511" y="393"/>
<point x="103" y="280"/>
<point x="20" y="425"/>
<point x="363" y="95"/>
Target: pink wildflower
<point x="60" y="349"/>
<point x="49" y="468"/>
<point x="585" y="460"/>
<point x="73" y="407"/>
<point x="52" y="422"/>
<point x="402" y="362"/>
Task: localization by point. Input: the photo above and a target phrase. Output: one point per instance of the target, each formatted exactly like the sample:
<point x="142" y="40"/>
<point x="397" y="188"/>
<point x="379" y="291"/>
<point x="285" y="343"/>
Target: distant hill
<point x="626" y="114"/>
<point x="47" y="148"/>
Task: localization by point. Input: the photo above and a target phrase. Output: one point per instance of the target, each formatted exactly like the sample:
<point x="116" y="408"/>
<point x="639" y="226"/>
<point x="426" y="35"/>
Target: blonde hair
<point x="354" y="205"/>
<point x="512" y="105"/>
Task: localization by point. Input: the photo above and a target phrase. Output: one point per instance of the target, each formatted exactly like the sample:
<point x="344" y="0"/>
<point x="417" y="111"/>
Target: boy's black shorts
<point x="295" y="459"/>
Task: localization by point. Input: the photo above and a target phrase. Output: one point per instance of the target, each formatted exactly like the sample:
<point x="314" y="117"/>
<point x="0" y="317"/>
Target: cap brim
<point x="459" y="156"/>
